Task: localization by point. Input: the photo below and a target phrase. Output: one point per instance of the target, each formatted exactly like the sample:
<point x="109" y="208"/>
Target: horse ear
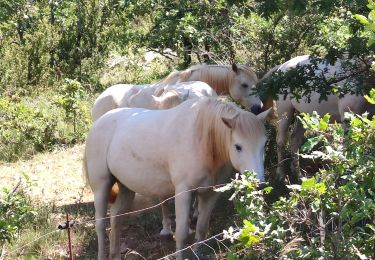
<point x="230" y="121"/>
<point x="264" y="115"/>
<point x="234" y="67"/>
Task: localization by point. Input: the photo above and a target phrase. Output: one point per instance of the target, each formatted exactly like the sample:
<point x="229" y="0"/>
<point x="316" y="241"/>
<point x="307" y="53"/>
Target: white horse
<point x="237" y="81"/>
<point x="162" y="153"/>
<point x="128" y="95"/>
<point x="172" y="96"/>
<point x="334" y="105"/>
<point x="117" y="96"/>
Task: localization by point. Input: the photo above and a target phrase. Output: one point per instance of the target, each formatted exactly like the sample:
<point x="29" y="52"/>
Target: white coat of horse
<point x="334" y="105"/>
<point x="162" y="153"/>
<point x="172" y="96"/>
<point x="128" y="95"/>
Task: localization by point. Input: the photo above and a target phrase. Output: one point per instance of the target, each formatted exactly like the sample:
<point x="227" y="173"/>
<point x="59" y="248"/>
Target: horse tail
<point x="115" y="189"/>
<point x="84" y="169"/>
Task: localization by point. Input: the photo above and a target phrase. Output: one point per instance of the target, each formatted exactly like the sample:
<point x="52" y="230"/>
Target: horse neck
<point x="219" y="78"/>
<point x="214" y="137"/>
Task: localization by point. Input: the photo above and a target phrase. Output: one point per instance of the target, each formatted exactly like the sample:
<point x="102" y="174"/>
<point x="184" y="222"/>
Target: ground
<point x="55" y="182"/>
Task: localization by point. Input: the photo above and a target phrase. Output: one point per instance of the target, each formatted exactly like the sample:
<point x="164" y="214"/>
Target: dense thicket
<point x="44" y="41"/>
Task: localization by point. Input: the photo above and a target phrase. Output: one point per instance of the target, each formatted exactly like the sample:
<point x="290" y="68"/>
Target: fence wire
<point x="190" y="247"/>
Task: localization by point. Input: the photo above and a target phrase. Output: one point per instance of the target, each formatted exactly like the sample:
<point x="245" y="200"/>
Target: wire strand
<point x="151" y="207"/>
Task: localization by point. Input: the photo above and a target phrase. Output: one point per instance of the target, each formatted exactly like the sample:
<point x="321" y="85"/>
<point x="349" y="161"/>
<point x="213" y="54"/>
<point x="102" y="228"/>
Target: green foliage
<point x="24" y="129"/>
<point x="330" y="215"/>
<point x="16" y="213"/>
<point x="371" y="97"/>
<point x="70" y="99"/>
<point x="368" y="22"/>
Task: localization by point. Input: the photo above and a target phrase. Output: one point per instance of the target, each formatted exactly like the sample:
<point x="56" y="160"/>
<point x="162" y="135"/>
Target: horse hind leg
<point x="122" y="205"/>
<point x="101" y="194"/>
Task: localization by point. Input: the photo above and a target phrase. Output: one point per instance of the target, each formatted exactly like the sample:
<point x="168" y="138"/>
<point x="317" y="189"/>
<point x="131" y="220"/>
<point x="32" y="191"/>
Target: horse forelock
<point x="250" y="73"/>
<point x="215" y="136"/>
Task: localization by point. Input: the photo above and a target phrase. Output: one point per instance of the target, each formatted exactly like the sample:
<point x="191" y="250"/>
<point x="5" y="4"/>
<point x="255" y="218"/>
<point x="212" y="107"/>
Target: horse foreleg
<point x="296" y="141"/>
<point x="206" y="203"/>
<point x="122" y="205"/>
<point x="182" y="207"/>
<point x="167" y="228"/>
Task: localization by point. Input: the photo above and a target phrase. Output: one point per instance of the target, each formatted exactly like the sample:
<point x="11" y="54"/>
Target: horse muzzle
<point x="256" y="109"/>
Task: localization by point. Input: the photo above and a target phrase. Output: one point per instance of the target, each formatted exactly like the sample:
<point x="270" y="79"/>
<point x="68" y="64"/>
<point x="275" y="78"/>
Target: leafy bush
<point x="330" y="215"/>
<point x="16" y="212"/>
<point x="70" y="99"/>
<point x="24" y="129"/>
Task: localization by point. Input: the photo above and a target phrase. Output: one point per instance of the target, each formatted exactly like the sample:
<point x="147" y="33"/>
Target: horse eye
<point x="244" y="85"/>
<point x="238" y="147"/>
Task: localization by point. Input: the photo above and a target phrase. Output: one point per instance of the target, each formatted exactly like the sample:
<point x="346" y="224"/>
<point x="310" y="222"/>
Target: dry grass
<point x="55" y="177"/>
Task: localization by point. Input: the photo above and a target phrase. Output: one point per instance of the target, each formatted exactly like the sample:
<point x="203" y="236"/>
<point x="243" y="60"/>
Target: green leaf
<point x="311" y="143"/>
<point x="323" y="122"/>
<point x="371" y="98"/>
<point x="308" y="183"/>
<point x="362" y="19"/>
<point x="231" y="256"/>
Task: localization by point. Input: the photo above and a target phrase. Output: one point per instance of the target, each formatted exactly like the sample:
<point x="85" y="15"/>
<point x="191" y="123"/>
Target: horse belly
<point x="145" y="179"/>
<point x="326" y="106"/>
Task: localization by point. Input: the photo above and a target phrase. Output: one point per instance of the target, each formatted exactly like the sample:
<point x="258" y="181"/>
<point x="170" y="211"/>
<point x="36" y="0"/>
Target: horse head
<point x="242" y="88"/>
<point x="247" y="142"/>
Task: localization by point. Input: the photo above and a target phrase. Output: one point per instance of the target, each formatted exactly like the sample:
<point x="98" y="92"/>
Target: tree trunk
<point x="188" y="46"/>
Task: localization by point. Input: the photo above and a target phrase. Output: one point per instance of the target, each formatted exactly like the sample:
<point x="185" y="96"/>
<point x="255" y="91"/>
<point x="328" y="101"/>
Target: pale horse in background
<point x="197" y="145"/>
<point x="237" y="81"/>
<point x="172" y="96"/>
<point x="128" y="95"/>
<point x="286" y="109"/>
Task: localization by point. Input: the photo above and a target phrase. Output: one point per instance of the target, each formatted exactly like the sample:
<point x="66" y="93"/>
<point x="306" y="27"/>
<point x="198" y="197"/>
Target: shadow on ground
<point x="140" y="237"/>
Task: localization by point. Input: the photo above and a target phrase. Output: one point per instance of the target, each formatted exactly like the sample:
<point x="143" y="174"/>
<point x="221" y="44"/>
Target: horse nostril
<point x="262" y="185"/>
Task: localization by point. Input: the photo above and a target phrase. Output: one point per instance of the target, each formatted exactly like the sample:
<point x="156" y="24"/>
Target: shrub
<point x="70" y="99"/>
<point x="330" y="215"/>
<point x="16" y="212"/>
<point x="24" y="129"/>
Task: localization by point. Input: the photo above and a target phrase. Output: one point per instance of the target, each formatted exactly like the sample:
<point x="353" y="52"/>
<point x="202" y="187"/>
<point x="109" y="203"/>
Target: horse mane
<point x="214" y="135"/>
<point x="219" y="77"/>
